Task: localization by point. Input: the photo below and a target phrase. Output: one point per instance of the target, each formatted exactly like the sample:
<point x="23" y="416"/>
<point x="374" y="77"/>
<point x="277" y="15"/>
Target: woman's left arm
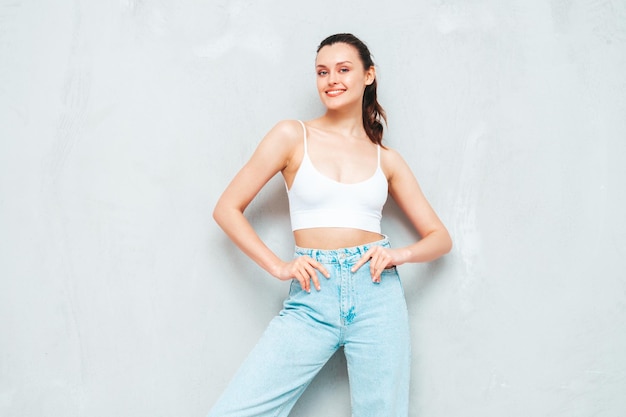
<point x="405" y="190"/>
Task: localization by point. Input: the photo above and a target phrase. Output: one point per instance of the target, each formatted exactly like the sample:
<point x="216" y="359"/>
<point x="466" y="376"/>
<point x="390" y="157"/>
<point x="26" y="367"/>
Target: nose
<point x="332" y="77"/>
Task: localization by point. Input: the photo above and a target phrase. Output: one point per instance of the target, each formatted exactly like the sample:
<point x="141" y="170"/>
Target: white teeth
<point x="335" y="92"/>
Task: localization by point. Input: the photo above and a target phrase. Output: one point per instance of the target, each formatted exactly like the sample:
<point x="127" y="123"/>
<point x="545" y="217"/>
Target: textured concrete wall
<point x="121" y="122"/>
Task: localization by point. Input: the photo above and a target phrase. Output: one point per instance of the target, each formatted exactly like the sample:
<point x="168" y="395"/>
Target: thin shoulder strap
<point x="304" y="135"/>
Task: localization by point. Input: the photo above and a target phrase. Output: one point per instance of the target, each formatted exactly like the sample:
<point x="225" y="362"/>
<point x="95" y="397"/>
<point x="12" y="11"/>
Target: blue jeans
<point x="368" y="319"/>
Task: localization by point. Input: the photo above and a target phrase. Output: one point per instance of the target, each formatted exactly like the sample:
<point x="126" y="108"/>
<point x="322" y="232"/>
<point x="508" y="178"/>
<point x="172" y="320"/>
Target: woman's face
<point x="341" y="78"/>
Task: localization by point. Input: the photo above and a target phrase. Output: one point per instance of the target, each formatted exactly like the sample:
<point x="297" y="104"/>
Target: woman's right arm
<point x="273" y="154"/>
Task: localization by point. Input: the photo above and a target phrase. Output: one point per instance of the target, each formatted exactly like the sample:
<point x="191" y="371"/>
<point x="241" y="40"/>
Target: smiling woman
<point x="338" y="175"/>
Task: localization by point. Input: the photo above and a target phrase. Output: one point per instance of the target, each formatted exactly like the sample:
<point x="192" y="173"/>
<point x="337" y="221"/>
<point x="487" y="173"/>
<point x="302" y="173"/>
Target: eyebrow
<point x="337" y="64"/>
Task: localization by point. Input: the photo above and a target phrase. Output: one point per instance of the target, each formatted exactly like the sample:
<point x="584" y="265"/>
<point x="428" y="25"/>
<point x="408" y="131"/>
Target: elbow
<point x="218" y="214"/>
<point x="447" y="247"/>
<point x="445" y="242"/>
<point x="439" y="244"/>
<point x="225" y="215"/>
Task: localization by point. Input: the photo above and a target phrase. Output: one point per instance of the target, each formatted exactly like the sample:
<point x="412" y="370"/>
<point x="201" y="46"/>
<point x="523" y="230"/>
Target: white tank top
<point x="316" y="200"/>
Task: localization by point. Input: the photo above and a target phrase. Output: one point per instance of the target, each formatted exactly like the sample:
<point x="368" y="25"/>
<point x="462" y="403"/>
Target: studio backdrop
<point x="121" y="122"/>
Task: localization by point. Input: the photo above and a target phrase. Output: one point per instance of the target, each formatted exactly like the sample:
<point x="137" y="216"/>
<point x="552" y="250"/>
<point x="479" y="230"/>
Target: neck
<point x="349" y="121"/>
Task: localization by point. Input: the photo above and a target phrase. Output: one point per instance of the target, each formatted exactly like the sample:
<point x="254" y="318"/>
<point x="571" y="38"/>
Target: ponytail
<point x="373" y="115"/>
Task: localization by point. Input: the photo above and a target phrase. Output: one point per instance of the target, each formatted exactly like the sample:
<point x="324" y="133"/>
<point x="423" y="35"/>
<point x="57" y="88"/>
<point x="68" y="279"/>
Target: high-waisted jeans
<point x="368" y="319"/>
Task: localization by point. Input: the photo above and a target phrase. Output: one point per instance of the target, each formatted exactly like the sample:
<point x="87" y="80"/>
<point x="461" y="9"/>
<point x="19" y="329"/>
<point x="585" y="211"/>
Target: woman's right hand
<point x="303" y="269"/>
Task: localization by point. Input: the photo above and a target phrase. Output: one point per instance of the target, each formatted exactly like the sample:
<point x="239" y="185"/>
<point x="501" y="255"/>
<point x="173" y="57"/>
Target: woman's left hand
<point x="380" y="259"/>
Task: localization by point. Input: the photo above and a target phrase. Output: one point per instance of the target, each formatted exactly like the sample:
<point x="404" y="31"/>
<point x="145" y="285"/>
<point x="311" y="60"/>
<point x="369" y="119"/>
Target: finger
<point x="381" y="260"/>
<point x="375" y="272"/>
<point x="301" y="282"/>
<point x="311" y="274"/>
<point x="304" y="281"/>
<point x="315" y="264"/>
<point x="301" y="273"/>
<point x="323" y="270"/>
<point x="377" y="266"/>
<point x="307" y="279"/>
<point x="366" y="257"/>
<point x="316" y="282"/>
<point x="374" y="265"/>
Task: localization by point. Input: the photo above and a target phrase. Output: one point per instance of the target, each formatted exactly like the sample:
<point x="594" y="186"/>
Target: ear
<point x="370" y="75"/>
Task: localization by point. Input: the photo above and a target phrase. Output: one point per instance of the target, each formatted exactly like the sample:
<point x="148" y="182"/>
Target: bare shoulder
<point x="392" y="162"/>
<point x="283" y="137"/>
<point x="286" y="132"/>
<point x="279" y="144"/>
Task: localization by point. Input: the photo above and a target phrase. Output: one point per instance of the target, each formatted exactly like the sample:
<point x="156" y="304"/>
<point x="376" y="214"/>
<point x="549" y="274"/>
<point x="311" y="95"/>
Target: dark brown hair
<point x="373" y="113"/>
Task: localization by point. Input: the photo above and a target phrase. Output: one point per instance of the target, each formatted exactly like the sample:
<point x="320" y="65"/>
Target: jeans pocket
<point x="294" y="287"/>
<point x="392" y="275"/>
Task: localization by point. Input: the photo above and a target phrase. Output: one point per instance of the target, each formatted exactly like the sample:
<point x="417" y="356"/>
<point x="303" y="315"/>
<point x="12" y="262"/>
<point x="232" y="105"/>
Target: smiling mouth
<point x="334" y="93"/>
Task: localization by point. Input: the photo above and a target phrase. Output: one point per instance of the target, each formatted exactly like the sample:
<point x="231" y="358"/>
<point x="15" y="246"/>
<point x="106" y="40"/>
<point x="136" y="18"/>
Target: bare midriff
<point x="334" y="237"/>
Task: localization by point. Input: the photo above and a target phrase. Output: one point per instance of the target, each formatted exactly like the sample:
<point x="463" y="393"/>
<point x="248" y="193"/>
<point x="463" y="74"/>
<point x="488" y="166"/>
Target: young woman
<point x="345" y="289"/>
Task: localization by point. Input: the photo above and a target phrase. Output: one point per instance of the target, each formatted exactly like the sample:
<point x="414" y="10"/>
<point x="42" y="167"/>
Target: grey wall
<point x="122" y="121"/>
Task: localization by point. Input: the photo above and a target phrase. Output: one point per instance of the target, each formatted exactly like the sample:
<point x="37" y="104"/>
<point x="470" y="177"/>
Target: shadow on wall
<point x="329" y="392"/>
<point x="268" y="214"/>
<point x="416" y="278"/>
